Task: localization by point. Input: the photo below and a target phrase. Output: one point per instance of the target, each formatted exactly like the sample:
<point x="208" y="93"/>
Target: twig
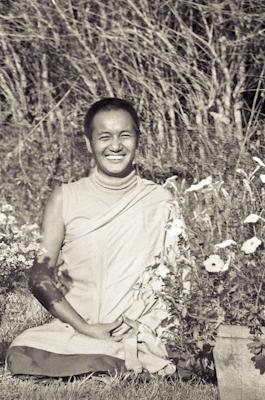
<point x="18" y="147"/>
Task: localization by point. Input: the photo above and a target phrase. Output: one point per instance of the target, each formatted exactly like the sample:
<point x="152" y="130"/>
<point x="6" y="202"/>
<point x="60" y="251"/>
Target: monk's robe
<point x="113" y="231"/>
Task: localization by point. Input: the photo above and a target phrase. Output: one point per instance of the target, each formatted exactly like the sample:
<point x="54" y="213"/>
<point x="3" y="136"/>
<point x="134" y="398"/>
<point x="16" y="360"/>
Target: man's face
<point x="114" y="142"/>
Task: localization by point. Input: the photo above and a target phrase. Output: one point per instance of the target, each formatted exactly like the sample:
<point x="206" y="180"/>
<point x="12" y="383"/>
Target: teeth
<point x="114" y="157"/>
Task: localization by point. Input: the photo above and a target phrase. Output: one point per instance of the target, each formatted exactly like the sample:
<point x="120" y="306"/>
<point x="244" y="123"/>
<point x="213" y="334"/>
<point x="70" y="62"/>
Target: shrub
<point x="195" y="83"/>
<point x="222" y="250"/>
<point x="19" y="244"/>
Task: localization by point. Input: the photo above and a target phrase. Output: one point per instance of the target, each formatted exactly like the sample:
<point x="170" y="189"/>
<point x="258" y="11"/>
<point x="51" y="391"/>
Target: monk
<point x="106" y="228"/>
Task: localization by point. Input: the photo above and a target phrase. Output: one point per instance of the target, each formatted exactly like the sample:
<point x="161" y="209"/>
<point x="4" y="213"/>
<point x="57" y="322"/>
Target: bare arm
<point x="42" y="283"/>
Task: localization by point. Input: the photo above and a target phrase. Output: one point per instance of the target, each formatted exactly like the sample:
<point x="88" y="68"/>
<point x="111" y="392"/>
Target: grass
<point x="93" y="388"/>
<point x="23" y="311"/>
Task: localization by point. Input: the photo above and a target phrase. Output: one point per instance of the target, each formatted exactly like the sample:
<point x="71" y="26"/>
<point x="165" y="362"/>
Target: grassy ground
<point x="95" y="388"/>
<point x="23" y="311"/>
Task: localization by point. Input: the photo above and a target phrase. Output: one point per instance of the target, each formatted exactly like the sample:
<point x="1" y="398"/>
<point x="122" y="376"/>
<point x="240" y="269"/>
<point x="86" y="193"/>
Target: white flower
<point x="241" y="171"/>
<point x="262" y="178"/>
<point x="32" y="246"/>
<point x="26" y="228"/>
<point x="214" y="263"/>
<point x="21" y="258"/>
<point x="176" y="322"/>
<point x="251" y="219"/>
<point x="176" y="228"/>
<point x="146" y="277"/>
<point x="224" y="244"/>
<point x="3" y="218"/>
<point x="7" y="208"/>
<point x="251" y="245"/>
<point x="160" y="330"/>
<point x="172" y="178"/>
<point x="162" y="271"/>
<point x="258" y="160"/>
<point x="200" y="185"/>
<point x="160" y="305"/>
<point x="31" y="227"/>
<point x="171" y="182"/>
<point x="11" y="219"/>
<point x="157" y="285"/>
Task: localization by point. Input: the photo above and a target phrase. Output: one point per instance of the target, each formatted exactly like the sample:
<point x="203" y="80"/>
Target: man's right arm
<point x="42" y="283"/>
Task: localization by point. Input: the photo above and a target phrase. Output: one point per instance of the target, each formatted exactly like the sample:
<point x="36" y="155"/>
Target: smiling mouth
<point x="115" y="158"/>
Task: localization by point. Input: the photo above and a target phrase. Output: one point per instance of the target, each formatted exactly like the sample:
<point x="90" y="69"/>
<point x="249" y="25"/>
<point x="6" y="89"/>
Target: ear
<point x="88" y="144"/>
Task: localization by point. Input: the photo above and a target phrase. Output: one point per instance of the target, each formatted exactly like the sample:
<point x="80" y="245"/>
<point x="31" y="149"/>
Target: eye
<point x="126" y="134"/>
<point x="104" y="137"/>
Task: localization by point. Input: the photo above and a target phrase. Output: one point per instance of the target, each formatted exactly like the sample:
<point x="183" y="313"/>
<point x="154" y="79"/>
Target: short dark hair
<point x="108" y="104"/>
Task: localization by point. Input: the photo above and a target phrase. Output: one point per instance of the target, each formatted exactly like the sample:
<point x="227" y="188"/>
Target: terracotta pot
<point x="237" y="376"/>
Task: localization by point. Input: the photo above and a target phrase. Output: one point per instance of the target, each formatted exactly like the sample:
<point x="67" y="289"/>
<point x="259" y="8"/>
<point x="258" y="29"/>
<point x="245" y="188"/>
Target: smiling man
<point x="114" y="141"/>
<point x="107" y="228"/>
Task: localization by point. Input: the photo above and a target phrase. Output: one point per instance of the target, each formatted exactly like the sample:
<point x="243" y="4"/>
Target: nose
<point x="115" y="144"/>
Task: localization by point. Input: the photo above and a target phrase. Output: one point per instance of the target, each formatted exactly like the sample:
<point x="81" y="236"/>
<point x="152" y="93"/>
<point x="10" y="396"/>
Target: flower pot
<point x="237" y="376"/>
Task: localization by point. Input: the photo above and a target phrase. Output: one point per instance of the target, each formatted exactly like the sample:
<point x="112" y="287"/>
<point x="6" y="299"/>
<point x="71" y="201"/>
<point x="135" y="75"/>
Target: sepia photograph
<point x="132" y="199"/>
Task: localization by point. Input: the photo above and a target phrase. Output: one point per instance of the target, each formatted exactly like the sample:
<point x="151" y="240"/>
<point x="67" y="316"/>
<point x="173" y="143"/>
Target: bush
<point x="221" y="256"/>
<point x="195" y="83"/>
<point x="19" y="244"/>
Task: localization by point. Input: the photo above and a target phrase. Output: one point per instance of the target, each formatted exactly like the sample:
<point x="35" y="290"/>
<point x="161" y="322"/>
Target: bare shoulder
<point x="52" y="227"/>
<point x="55" y="200"/>
<point x="53" y="210"/>
<point x="56" y="195"/>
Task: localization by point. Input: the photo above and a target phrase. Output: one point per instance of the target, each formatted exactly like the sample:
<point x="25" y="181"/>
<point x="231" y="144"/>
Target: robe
<point x="110" y="238"/>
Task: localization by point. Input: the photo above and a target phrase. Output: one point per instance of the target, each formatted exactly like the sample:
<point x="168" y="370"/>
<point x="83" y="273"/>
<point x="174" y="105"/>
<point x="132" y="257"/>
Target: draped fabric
<point x="111" y="234"/>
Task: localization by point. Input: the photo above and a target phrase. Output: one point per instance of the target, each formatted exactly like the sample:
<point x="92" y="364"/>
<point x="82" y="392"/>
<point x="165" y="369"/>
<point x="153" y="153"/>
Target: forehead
<point x="112" y="120"/>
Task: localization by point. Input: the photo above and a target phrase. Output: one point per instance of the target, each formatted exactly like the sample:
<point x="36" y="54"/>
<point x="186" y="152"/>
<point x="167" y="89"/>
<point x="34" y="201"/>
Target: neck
<point x="113" y="182"/>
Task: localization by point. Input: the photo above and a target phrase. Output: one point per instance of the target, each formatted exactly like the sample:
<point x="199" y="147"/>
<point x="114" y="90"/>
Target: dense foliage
<point x="213" y="270"/>
<point x="194" y="70"/>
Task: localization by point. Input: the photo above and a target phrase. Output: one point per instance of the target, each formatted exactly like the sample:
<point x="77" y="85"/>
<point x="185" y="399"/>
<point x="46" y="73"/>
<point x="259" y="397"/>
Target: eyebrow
<point x="108" y="132"/>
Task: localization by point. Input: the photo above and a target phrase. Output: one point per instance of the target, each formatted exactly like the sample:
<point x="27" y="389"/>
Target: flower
<point x="177" y="227"/>
<point x="251" y="245"/>
<point x="200" y="185"/>
<point x="21" y="258"/>
<point x="251" y="219"/>
<point x="259" y="161"/>
<point x="224" y="244"/>
<point x="214" y="263"/>
<point x="3" y="218"/>
<point x="11" y="219"/>
<point x="162" y="271"/>
<point x="146" y="277"/>
<point x="202" y="300"/>
<point x="262" y="178"/>
<point x="19" y="246"/>
<point x="157" y="285"/>
<point x="6" y="208"/>
<point x="160" y="330"/>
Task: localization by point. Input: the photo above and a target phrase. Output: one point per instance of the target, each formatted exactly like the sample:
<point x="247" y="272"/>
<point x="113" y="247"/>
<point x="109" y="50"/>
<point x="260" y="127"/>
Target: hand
<point x="102" y="331"/>
<point x="132" y="324"/>
<point x="128" y="326"/>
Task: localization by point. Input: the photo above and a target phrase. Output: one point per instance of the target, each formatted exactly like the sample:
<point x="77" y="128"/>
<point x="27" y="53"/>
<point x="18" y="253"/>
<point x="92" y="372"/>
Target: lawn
<point x="23" y="311"/>
<point x="116" y="388"/>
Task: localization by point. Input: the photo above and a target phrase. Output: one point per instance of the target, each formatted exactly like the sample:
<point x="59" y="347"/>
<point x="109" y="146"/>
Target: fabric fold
<point x="108" y="244"/>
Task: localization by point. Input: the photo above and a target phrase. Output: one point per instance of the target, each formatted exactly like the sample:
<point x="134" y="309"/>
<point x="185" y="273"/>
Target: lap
<point x="60" y="338"/>
<point x="30" y="361"/>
